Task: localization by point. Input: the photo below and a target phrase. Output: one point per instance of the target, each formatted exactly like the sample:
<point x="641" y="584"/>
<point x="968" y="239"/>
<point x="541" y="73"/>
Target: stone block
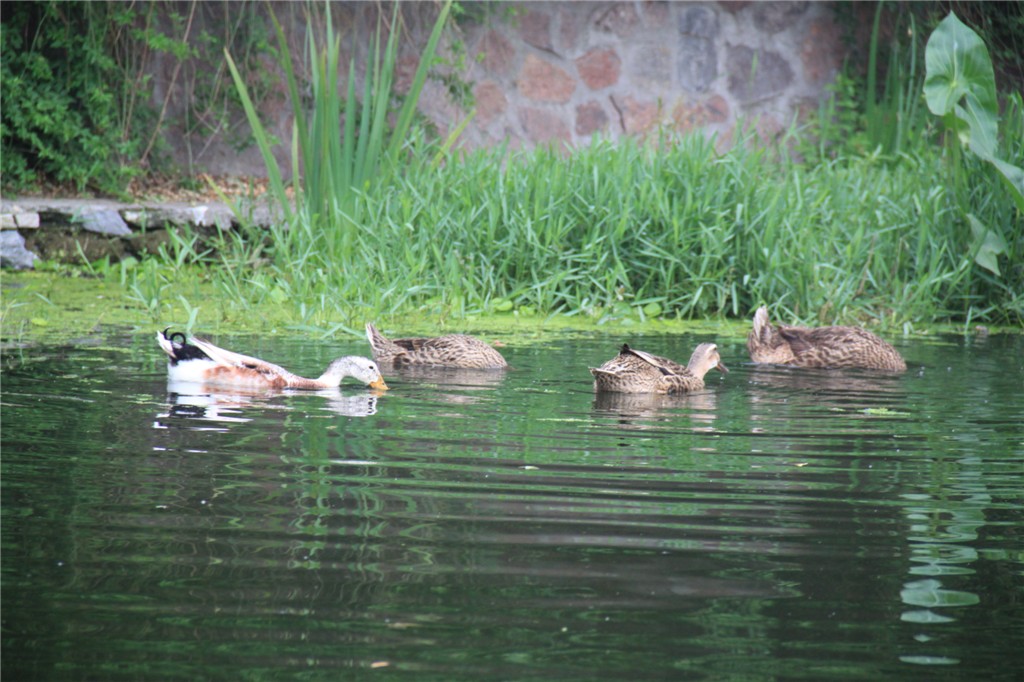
<point x="757" y="75"/>
<point x="150" y="241"/>
<point x="650" y="67"/>
<point x="820" y="51"/>
<point x="599" y="68"/>
<point x="106" y="222"/>
<point x="638" y="117"/>
<point x="498" y="54"/>
<point x="699" y="21"/>
<point x="768" y="128"/>
<point x="543" y="126"/>
<point x="805" y="108"/>
<point x="179" y="215"/>
<point x="13" y="253"/>
<point x="734" y="6"/>
<point x="620" y="19"/>
<point x="697" y="58"/>
<point x="490" y="102"/>
<point x="688" y="116"/>
<point x="15" y="217"/>
<point x="535" y="29"/>
<point x="591" y="118"/>
<point x="27" y="220"/>
<point x="542" y="81"/>
<point x="655" y="13"/>
<point x="717" y="109"/>
<point x="772" y="17"/>
<point x="697" y="61"/>
<point x="405" y="70"/>
<point x="568" y="34"/>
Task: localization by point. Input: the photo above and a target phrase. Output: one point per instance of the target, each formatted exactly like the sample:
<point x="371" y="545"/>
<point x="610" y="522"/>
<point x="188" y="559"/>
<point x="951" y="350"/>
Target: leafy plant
<point x="61" y="91"/>
<point x="331" y="170"/>
<point x="212" y="106"/>
<point x="876" y="113"/>
<point x="77" y="87"/>
<point x="893" y="116"/>
<point x="960" y="87"/>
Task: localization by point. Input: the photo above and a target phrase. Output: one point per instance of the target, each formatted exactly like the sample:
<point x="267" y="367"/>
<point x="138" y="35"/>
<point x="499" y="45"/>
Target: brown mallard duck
<point x="634" y="371"/>
<point x="823" y="347"/>
<point x="195" y="360"/>
<point x="453" y="350"/>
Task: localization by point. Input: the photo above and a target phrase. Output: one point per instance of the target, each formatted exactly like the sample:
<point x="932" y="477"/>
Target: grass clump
<point x="620" y="230"/>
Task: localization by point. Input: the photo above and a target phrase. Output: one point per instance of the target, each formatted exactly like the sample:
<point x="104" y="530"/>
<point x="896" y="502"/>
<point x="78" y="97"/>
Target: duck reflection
<point x="644" y="410"/>
<point x="452" y="384"/>
<point x="201" y="402"/>
<point x="204" y="407"/>
<point x="835" y="388"/>
<point x="356" y="405"/>
<point x="784" y="399"/>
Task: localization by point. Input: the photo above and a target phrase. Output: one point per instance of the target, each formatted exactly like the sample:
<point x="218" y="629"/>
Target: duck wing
<point x="827" y="346"/>
<point x="664" y="365"/>
<point x="227" y="358"/>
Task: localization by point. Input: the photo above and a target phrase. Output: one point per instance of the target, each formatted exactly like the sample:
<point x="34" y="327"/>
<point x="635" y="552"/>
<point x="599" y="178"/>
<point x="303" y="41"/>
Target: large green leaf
<point x="1014" y="178"/>
<point x="961" y="82"/>
<point x="960" y="86"/>
<point x="988" y="245"/>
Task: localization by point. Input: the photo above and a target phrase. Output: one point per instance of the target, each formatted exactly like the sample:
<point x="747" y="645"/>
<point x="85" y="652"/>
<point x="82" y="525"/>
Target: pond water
<point x="783" y="524"/>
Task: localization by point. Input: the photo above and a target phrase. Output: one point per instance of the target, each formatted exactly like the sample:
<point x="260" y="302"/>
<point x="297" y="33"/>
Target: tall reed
<point x="329" y="170"/>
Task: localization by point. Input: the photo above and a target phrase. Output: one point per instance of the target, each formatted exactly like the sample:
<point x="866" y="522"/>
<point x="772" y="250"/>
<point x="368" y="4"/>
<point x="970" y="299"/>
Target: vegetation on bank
<point x="613" y="232"/>
<point x="875" y="214"/>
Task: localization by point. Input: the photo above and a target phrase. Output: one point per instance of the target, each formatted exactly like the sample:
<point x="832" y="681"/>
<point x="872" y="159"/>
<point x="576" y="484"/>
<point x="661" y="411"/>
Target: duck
<point x="196" y="360"/>
<point x="453" y="350"/>
<point x="821" y="347"/>
<point x="634" y="371"/>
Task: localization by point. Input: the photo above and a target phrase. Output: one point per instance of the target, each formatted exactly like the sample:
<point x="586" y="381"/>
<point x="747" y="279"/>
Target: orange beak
<point x="379" y="384"/>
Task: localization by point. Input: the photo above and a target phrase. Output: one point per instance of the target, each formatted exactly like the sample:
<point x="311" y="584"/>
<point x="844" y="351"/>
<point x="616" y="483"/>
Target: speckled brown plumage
<point x="822" y="347"/>
<point x="634" y="371"/>
<point x="453" y="350"/>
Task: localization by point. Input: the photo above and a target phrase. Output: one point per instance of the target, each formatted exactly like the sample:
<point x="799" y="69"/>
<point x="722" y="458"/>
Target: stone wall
<point x="562" y="72"/>
<point x="567" y="71"/>
<point x="86" y="230"/>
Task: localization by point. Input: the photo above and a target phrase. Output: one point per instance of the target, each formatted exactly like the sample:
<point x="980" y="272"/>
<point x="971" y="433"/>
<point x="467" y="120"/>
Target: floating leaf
<point x="652" y="309"/>
<point x="885" y="412"/>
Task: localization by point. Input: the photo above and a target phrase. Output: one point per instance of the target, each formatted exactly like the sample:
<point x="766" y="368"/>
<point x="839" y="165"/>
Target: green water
<point x="784" y="524"/>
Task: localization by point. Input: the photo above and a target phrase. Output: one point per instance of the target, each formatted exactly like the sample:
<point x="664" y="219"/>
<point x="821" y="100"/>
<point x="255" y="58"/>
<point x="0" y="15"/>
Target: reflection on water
<point x="635" y="410"/>
<point x="516" y="525"/>
<point x="197" y="401"/>
<point x="450" y="384"/>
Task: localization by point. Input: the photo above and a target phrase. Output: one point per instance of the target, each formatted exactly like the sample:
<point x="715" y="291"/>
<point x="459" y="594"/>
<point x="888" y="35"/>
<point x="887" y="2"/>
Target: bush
<point x="61" y="118"/>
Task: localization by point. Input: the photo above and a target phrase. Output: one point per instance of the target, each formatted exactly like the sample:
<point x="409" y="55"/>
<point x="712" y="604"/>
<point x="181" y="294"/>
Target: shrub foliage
<point x="62" y="92"/>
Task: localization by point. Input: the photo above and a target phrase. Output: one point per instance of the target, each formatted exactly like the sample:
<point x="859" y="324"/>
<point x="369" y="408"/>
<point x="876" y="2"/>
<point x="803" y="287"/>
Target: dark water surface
<point x="784" y="524"/>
